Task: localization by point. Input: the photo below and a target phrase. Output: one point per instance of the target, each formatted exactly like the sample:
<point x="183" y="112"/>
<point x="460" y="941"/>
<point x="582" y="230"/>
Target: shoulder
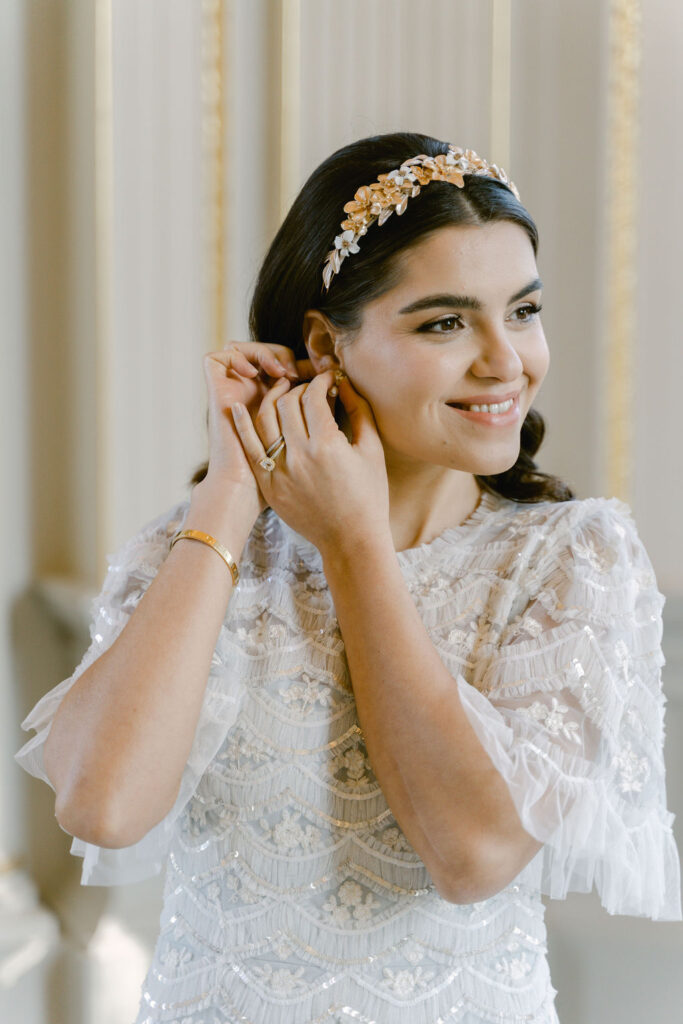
<point x="560" y="517"/>
<point x="590" y="537"/>
<point x="552" y="524"/>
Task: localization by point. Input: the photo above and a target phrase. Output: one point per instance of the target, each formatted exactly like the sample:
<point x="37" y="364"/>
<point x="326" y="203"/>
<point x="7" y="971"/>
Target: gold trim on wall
<point x="622" y="149"/>
<point x="104" y="212"/>
<point x="501" y="65"/>
<point x="213" y="139"/>
<point x="290" y="103"/>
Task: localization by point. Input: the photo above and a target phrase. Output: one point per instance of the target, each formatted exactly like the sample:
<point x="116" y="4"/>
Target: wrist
<point x="224" y="510"/>
<point x="345" y="554"/>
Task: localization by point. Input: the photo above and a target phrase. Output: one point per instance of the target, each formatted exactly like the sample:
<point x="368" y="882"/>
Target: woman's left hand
<point x="332" y="491"/>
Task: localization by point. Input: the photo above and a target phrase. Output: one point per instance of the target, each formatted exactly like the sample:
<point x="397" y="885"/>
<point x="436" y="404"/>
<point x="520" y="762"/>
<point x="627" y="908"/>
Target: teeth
<point x="496" y="407"/>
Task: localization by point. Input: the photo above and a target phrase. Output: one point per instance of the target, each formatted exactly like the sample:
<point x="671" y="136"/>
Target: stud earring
<point x="339" y="376"/>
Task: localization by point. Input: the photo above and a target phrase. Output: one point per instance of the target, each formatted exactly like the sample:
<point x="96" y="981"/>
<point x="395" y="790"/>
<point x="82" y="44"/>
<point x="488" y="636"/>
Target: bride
<point x="380" y="683"/>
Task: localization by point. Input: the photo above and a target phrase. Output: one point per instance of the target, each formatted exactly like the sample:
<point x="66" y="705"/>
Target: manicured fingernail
<point x="238" y="410"/>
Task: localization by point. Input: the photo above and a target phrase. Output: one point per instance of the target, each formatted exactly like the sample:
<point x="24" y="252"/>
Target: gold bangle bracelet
<point x="206" y="538"/>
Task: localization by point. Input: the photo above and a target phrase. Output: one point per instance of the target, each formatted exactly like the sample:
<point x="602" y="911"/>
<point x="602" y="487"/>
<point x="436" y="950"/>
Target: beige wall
<point x="109" y="300"/>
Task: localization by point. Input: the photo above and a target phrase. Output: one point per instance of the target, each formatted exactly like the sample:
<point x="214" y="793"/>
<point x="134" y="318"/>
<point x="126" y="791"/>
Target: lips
<point x="484" y="400"/>
<point x="486" y="418"/>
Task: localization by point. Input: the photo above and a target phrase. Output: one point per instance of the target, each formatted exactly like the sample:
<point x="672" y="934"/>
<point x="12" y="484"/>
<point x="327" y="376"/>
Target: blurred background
<point x="149" y="153"/>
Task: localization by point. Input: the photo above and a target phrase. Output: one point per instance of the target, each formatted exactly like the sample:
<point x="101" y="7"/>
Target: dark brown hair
<point x="290" y="278"/>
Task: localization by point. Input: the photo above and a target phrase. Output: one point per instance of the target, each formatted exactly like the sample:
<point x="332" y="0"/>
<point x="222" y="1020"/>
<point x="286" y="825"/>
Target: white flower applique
<point x="602" y="559"/>
<point x="553" y="719"/>
<point x="288" y="835"/>
<point x="350" y="907"/>
<point x="303" y="696"/>
<point x="243" y="752"/>
<point x="394" y="838"/>
<point x="281" y="981"/>
<point x="405" y="983"/>
<point x="515" y="968"/>
<point x="355" y="765"/>
<point x="235" y="891"/>
<point x="263" y="635"/>
<point x="633" y="770"/>
<point x="412" y="952"/>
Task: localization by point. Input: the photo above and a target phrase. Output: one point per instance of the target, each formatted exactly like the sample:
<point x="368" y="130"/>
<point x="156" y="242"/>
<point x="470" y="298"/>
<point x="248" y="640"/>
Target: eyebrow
<point x="464" y="301"/>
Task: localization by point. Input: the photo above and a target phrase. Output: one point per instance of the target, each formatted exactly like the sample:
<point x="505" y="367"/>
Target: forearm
<point x="122" y="735"/>
<point x="437" y="778"/>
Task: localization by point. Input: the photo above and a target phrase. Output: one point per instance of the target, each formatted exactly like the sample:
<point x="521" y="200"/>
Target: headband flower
<point x="391" y="192"/>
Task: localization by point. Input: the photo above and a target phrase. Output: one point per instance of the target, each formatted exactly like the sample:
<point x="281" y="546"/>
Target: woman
<point x="434" y="693"/>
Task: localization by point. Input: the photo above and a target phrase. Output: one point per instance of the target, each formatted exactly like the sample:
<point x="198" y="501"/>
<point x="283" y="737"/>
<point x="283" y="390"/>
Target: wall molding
<point x="622" y="233"/>
<point x="501" y="72"/>
<point x="213" y="138"/>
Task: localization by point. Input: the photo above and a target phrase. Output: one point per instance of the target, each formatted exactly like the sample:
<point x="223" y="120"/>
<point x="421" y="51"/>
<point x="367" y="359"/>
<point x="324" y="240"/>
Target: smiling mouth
<point x="492" y="407"/>
<point x="492" y="414"/>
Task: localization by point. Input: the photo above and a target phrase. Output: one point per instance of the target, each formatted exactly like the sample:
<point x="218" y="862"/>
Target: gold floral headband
<point x="392" y="191"/>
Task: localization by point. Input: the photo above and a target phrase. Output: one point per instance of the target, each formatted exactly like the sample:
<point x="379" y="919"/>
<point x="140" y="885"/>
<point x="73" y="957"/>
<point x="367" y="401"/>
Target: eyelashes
<point x="451" y="322"/>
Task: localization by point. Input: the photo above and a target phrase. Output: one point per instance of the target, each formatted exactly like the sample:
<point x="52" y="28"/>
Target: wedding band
<point x="276" y="444"/>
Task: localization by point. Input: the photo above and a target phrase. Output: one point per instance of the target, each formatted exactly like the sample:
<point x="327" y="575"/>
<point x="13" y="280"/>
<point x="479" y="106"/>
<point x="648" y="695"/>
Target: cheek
<point x="538" y="360"/>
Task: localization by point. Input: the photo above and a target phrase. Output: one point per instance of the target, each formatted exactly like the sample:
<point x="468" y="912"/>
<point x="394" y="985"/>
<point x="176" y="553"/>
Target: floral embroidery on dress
<point x="243" y="748"/>
<point x="281" y="981"/>
<point x="412" y="951"/>
<point x="601" y="559"/>
<point x="289" y="835"/>
<point x="350" y="907"/>
<point x="514" y="968"/>
<point x="354" y="765"/>
<point x="176" y="956"/>
<point x="430" y="582"/>
<point x="553" y="719"/>
<point x="261" y="637"/>
<point x="634" y="770"/>
<point x="405" y="983"/>
<point x="394" y="838"/>
<point x="206" y="815"/>
<point x="237" y="892"/>
<point x="283" y="948"/>
<point x="304" y="695"/>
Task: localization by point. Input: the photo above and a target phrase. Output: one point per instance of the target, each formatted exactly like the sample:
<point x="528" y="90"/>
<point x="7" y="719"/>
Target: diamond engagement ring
<point x="275" y="449"/>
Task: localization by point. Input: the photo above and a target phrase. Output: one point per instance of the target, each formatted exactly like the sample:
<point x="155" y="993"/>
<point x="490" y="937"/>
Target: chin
<point x="490" y="465"/>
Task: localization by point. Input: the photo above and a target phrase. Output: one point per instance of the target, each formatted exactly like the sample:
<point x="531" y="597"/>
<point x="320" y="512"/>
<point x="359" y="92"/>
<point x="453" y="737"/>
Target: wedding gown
<point x="291" y="894"/>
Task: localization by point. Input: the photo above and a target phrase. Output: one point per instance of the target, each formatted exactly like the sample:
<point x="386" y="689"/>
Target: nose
<point x="497" y="356"/>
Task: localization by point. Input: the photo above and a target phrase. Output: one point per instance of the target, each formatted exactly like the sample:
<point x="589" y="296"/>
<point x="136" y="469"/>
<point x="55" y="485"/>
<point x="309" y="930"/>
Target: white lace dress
<point x="291" y="894"/>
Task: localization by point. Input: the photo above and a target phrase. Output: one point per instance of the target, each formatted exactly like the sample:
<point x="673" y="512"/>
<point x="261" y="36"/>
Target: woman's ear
<point x="320" y="338"/>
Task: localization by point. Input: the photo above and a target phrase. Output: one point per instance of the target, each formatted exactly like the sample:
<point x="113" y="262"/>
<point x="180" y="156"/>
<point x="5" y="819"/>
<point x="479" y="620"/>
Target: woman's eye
<point x="529" y="311"/>
<point x="443" y="326"/>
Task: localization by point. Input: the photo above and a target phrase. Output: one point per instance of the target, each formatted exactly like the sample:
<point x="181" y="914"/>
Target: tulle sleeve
<point x="570" y="709"/>
<point x="131" y="571"/>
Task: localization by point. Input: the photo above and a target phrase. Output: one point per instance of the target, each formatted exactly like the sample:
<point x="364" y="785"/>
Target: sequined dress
<point x="291" y="894"/>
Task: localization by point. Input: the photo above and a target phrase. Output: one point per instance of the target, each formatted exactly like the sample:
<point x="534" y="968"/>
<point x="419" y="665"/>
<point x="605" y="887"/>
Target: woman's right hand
<point x="243" y="372"/>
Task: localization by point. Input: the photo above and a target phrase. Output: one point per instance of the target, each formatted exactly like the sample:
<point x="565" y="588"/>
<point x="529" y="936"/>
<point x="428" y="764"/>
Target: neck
<point x="427" y="500"/>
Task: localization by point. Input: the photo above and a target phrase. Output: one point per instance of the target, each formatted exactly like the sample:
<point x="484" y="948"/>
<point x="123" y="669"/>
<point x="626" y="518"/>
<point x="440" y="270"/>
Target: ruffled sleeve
<point x="570" y="708"/>
<point x="131" y="571"/>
